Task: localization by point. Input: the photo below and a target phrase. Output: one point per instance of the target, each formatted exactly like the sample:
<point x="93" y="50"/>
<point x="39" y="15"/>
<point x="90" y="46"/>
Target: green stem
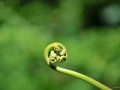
<point x="59" y="53"/>
<point x="83" y="77"/>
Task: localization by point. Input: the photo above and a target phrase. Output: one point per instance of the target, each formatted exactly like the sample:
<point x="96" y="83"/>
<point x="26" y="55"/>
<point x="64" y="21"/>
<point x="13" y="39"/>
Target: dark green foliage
<point x="26" y="28"/>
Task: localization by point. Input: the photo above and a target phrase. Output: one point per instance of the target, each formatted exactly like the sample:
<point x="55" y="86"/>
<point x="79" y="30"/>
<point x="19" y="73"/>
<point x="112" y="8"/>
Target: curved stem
<point x="52" y="58"/>
<point x="83" y="77"/>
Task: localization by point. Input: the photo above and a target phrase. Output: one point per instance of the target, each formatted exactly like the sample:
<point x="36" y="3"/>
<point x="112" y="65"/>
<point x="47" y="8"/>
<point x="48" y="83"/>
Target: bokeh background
<point x="89" y="29"/>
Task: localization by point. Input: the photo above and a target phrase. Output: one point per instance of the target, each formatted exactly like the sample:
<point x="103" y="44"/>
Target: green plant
<point x="57" y="52"/>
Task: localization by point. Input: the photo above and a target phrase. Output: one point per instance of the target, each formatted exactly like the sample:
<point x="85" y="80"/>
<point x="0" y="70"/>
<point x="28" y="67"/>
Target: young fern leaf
<point x="57" y="52"/>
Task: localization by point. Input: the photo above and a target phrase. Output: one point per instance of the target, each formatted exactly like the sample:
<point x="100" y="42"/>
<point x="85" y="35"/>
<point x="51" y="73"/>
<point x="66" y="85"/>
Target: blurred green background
<point x="89" y="29"/>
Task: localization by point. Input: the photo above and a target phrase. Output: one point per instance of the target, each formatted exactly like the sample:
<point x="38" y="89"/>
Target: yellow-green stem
<point x="83" y="77"/>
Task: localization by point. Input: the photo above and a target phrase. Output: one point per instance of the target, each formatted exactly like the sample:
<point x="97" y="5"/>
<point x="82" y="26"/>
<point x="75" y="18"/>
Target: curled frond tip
<point x="55" y="52"/>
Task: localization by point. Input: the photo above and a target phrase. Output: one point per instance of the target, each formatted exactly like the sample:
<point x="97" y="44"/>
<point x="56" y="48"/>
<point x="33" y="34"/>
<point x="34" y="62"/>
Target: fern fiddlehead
<point x="57" y="52"/>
